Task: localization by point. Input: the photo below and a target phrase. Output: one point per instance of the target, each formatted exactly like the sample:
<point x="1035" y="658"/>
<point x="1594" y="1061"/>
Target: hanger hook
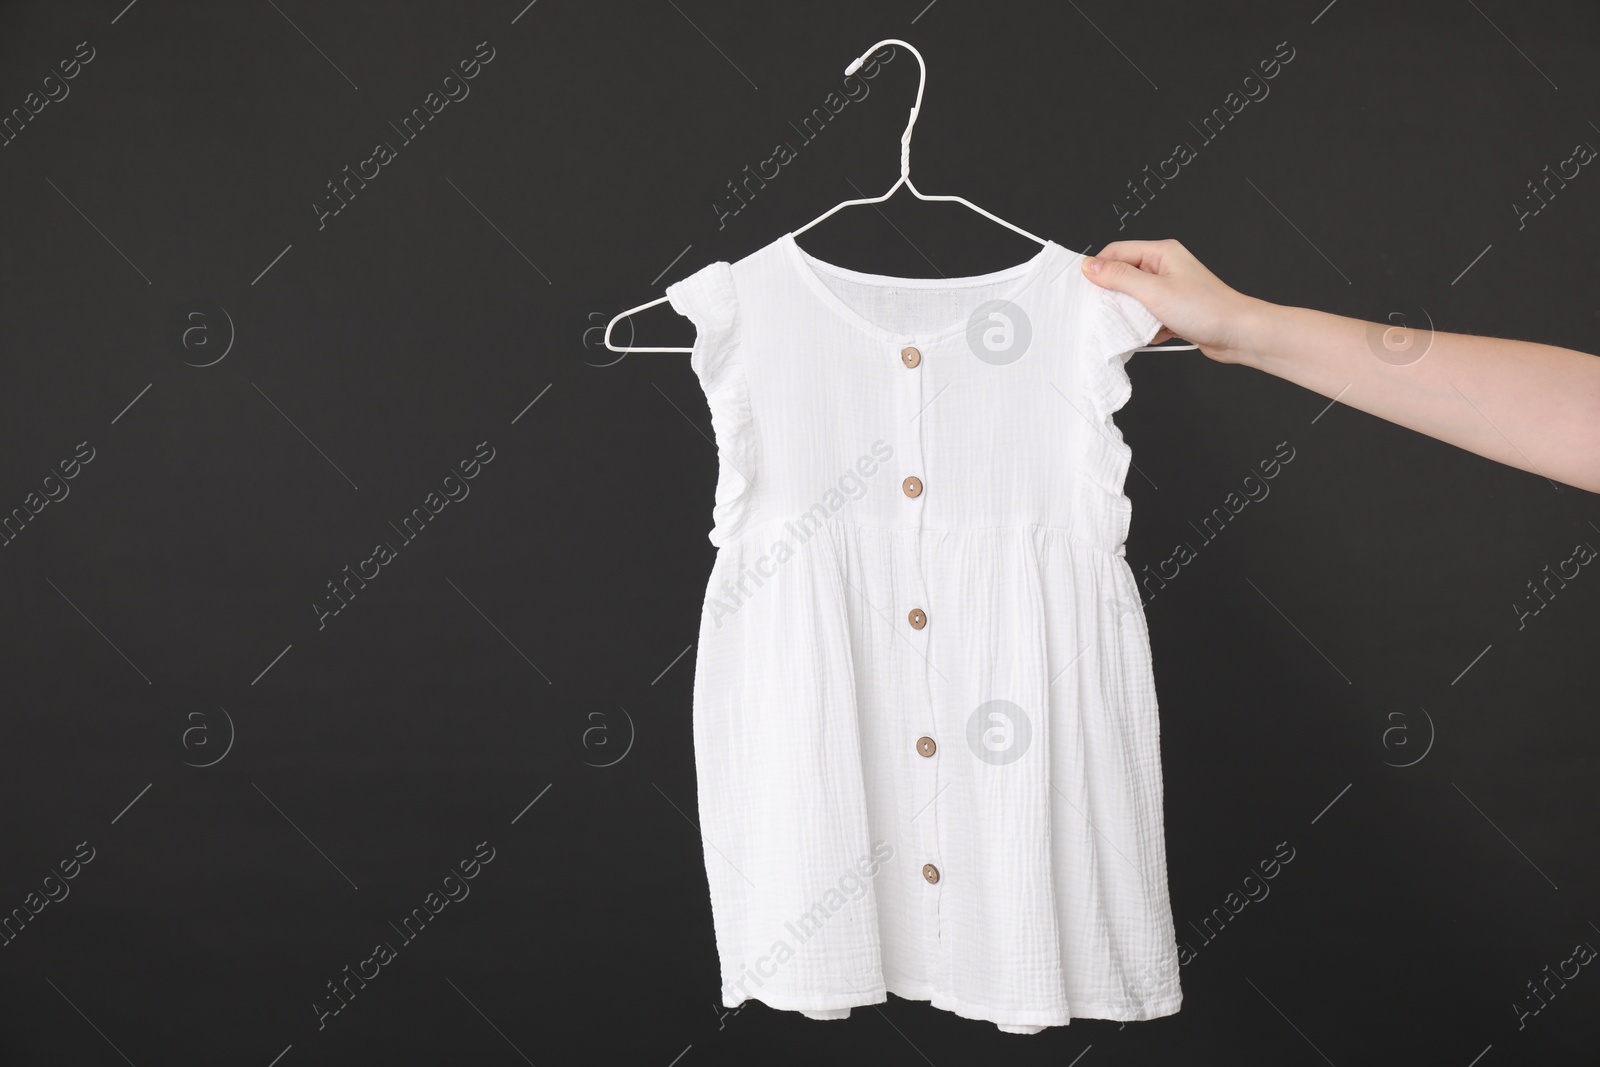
<point x="916" y="108"/>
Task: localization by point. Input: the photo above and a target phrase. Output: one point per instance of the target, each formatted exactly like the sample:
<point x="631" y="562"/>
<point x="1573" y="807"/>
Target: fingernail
<point x="1092" y="265"/>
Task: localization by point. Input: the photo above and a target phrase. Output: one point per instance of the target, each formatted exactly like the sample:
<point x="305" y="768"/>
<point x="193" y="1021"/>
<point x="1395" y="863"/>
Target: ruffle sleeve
<point x="1120" y="325"/>
<point x="709" y="299"/>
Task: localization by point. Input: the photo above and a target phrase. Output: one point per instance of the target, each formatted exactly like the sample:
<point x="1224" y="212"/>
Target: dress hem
<point x="1154" y="1009"/>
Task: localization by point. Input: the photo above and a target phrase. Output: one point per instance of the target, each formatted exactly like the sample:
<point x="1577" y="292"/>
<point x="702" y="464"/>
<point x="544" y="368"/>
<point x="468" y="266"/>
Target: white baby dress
<point x="925" y="719"/>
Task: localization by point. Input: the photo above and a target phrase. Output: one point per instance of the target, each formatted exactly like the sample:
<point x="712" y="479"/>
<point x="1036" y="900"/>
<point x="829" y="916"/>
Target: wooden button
<point x="930" y="872"/>
<point x="912" y="486"/>
<point x="925" y="746"/>
<point x="918" y="617"/>
<point x="910" y="356"/>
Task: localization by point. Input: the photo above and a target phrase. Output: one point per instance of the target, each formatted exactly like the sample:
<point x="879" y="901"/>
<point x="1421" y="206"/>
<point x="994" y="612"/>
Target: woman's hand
<point x="1191" y="302"/>
<point x="1532" y="406"/>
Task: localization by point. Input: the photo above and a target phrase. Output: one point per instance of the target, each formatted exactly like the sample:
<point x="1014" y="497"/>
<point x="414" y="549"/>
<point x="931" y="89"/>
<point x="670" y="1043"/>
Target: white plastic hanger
<point x="905" y="180"/>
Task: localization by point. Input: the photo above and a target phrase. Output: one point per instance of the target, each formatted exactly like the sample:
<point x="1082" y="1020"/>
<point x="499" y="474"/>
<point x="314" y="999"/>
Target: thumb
<point x="1122" y="276"/>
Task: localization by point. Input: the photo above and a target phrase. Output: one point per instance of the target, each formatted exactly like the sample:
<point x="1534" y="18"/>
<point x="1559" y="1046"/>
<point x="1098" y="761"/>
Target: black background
<point x="161" y="615"/>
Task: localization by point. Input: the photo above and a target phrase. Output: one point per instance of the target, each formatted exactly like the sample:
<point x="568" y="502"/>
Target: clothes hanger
<point x="904" y="179"/>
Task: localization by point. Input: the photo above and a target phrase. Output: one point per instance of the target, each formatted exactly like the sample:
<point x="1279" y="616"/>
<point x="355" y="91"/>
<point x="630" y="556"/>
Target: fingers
<point x="1151" y="256"/>
<point x="1123" y="275"/>
<point x="1137" y="253"/>
<point x="1135" y="267"/>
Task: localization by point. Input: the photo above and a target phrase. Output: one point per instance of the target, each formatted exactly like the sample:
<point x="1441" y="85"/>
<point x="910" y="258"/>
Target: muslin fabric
<point x="967" y="811"/>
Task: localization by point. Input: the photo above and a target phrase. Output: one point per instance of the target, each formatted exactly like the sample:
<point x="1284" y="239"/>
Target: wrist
<point x="1250" y="335"/>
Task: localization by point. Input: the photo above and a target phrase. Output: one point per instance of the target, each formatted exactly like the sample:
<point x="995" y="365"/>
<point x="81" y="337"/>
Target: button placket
<point x="924" y="828"/>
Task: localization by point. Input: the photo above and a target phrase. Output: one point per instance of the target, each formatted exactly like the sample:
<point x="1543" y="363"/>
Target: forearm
<point x="1532" y="406"/>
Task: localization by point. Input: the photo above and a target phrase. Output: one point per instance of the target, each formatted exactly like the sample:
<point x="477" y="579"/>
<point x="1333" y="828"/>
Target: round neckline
<point x="809" y="266"/>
